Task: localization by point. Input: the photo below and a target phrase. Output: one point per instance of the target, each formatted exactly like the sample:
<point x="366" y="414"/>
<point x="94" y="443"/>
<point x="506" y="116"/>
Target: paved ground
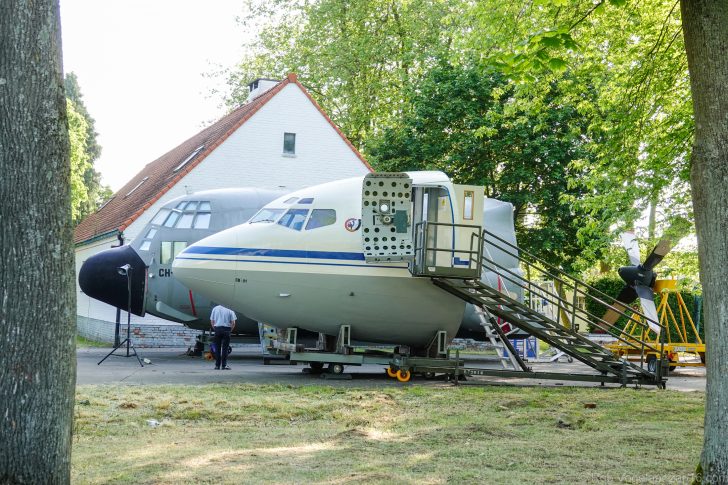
<point x="172" y="366"/>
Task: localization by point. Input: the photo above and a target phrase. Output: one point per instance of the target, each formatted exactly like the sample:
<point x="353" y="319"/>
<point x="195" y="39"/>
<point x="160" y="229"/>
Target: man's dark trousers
<point x="222" y="342"/>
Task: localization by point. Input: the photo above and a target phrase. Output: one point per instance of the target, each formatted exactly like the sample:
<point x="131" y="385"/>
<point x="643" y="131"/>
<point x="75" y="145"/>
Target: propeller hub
<point x="637" y="275"/>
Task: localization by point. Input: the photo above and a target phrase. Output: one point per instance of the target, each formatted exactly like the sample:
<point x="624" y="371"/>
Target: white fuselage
<point x="284" y="272"/>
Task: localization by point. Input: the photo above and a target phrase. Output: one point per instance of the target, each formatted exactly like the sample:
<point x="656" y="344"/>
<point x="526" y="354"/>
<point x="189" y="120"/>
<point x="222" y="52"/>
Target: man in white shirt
<point x="222" y="321"/>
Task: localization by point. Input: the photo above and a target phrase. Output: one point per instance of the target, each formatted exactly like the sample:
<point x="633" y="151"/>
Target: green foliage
<point x="87" y="192"/>
<point x="359" y="58"/>
<point x="612" y="285"/>
<point x="79" y="159"/>
<point x="469" y="124"/>
<point x="609" y="76"/>
<point x="633" y="57"/>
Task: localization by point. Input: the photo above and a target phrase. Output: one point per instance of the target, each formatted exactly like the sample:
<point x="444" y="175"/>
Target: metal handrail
<point x="577" y="280"/>
<point x="557" y="300"/>
<point x="574" y="283"/>
<point x="421" y="230"/>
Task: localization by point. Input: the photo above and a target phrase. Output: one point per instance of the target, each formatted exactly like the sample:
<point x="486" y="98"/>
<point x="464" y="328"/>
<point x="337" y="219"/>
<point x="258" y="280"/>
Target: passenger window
<point x="170" y="249"/>
<point x="321" y="218"/>
<point x="145" y="245"/>
<point x="294" y="219"/>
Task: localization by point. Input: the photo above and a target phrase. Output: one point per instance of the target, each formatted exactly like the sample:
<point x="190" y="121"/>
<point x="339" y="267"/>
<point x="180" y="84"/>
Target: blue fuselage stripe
<point x="275" y="253"/>
<point x="291" y="262"/>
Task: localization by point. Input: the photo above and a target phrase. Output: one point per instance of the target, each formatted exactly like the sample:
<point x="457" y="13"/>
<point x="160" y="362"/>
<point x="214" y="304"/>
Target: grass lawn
<point x="413" y="434"/>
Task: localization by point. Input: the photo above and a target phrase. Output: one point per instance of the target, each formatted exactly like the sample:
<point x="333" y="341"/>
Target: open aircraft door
<point x="448" y="221"/>
<point x="387" y="217"/>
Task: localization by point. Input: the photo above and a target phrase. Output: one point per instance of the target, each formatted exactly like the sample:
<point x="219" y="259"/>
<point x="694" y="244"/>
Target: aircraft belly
<point x="402" y="310"/>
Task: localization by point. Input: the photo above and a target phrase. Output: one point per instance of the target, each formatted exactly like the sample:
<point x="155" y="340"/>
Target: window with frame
<point x="294" y="219"/>
<point x="170" y="250"/>
<point x="289" y="143"/>
<point x="266" y="215"/>
<point x="321" y="218"/>
<point x="186" y="215"/>
<point x="468" y="202"/>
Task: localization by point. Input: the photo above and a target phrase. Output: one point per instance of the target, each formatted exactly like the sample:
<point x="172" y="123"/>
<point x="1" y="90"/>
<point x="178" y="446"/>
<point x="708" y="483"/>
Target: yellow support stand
<point x="680" y="352"/>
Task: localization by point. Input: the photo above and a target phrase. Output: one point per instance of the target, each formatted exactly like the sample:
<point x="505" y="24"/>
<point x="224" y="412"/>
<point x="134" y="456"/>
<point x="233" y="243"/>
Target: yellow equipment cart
<point x="681" y="352"/>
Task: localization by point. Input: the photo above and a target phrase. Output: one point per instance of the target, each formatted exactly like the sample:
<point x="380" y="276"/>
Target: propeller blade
<point x="627" y="296"/>
<point x="647" y="301"/>
<point x="662" y="248"/>
<point x="630" y="244"/>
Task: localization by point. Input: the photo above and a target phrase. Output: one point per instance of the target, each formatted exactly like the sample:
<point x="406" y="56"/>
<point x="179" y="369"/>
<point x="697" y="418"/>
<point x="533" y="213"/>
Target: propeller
<point x="640" y="281"/>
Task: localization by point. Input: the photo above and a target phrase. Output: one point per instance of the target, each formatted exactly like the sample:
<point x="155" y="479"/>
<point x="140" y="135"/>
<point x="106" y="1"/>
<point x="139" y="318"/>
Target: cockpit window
<point x="185" y="222"/>
<point x="267" y="215"/>
<point x="290" y="200"/>
<point x="294" y="219"/>
<point x="160" y="217"/>
<point x="306" y="200"/>
<point x="172" y="219"/>
<point x="186" y="215"/>
<point x="202" y="221"/>
<point x="321" y="218"/>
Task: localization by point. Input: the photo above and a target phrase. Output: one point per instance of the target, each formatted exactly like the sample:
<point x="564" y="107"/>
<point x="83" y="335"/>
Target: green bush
<point x="612" y="285"/>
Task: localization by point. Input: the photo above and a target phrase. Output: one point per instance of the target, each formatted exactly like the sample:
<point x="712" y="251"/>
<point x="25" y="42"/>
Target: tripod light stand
<point x="125" y="271"/>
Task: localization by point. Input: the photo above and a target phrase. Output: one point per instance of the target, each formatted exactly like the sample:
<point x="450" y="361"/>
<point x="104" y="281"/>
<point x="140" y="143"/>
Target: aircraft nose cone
<point x="102" y="277"/>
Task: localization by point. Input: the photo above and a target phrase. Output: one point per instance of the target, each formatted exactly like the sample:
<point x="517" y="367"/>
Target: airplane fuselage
<point x="304" y="266"/>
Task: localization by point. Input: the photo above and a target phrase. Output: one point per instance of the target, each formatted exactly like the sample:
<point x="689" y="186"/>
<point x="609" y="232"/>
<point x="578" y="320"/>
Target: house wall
<point x="252" y="156"/>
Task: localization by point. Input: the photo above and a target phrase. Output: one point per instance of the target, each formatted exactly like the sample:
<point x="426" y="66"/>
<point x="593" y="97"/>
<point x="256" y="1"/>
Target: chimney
<point x="260" y="86"/>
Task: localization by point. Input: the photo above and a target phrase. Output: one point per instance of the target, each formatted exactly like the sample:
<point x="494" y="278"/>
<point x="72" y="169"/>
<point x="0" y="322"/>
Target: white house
<point x="279" y="137"/>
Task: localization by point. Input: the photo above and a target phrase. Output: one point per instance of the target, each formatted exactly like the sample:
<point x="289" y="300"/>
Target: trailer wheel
<point x="403" y="375"/>
<point x="336" y="368"/>
<point x="652" y="363"/>
<point x="428" y="375"/>
<point x="391" y="373"/>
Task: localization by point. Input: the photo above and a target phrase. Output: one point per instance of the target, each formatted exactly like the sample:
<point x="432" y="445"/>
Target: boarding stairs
<point x="560" y="332"/>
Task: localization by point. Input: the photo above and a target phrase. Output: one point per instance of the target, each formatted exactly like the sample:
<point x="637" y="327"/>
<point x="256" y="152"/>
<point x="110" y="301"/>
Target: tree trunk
<point x="705" y="27"/>
<point x="37" y="294"/>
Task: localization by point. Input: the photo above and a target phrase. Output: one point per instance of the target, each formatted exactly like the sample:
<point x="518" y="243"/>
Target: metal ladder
<point x="466" y="284"/>
<point x="542" y="327"/>
<point x="507" y="355"/>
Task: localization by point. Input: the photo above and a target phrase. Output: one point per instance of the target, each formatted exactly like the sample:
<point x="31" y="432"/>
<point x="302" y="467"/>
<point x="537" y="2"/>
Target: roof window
<point x="105" y="203"/>
<point x="189" y="157"/>
<point x="136" y="187"/>
<point x="307" y="200"/>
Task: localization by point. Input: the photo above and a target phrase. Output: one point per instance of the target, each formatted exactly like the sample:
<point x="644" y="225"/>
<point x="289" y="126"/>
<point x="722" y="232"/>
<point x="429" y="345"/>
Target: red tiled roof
<point x="160" y="176"/>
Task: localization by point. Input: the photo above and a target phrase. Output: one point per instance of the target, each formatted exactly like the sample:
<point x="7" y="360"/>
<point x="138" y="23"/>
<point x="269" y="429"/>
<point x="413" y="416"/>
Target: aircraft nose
<point x="103" y="277"/>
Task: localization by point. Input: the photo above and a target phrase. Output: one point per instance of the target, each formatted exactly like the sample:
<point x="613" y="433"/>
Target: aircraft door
<point x="387" y="217"/>
<point x="433" y="205"/>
